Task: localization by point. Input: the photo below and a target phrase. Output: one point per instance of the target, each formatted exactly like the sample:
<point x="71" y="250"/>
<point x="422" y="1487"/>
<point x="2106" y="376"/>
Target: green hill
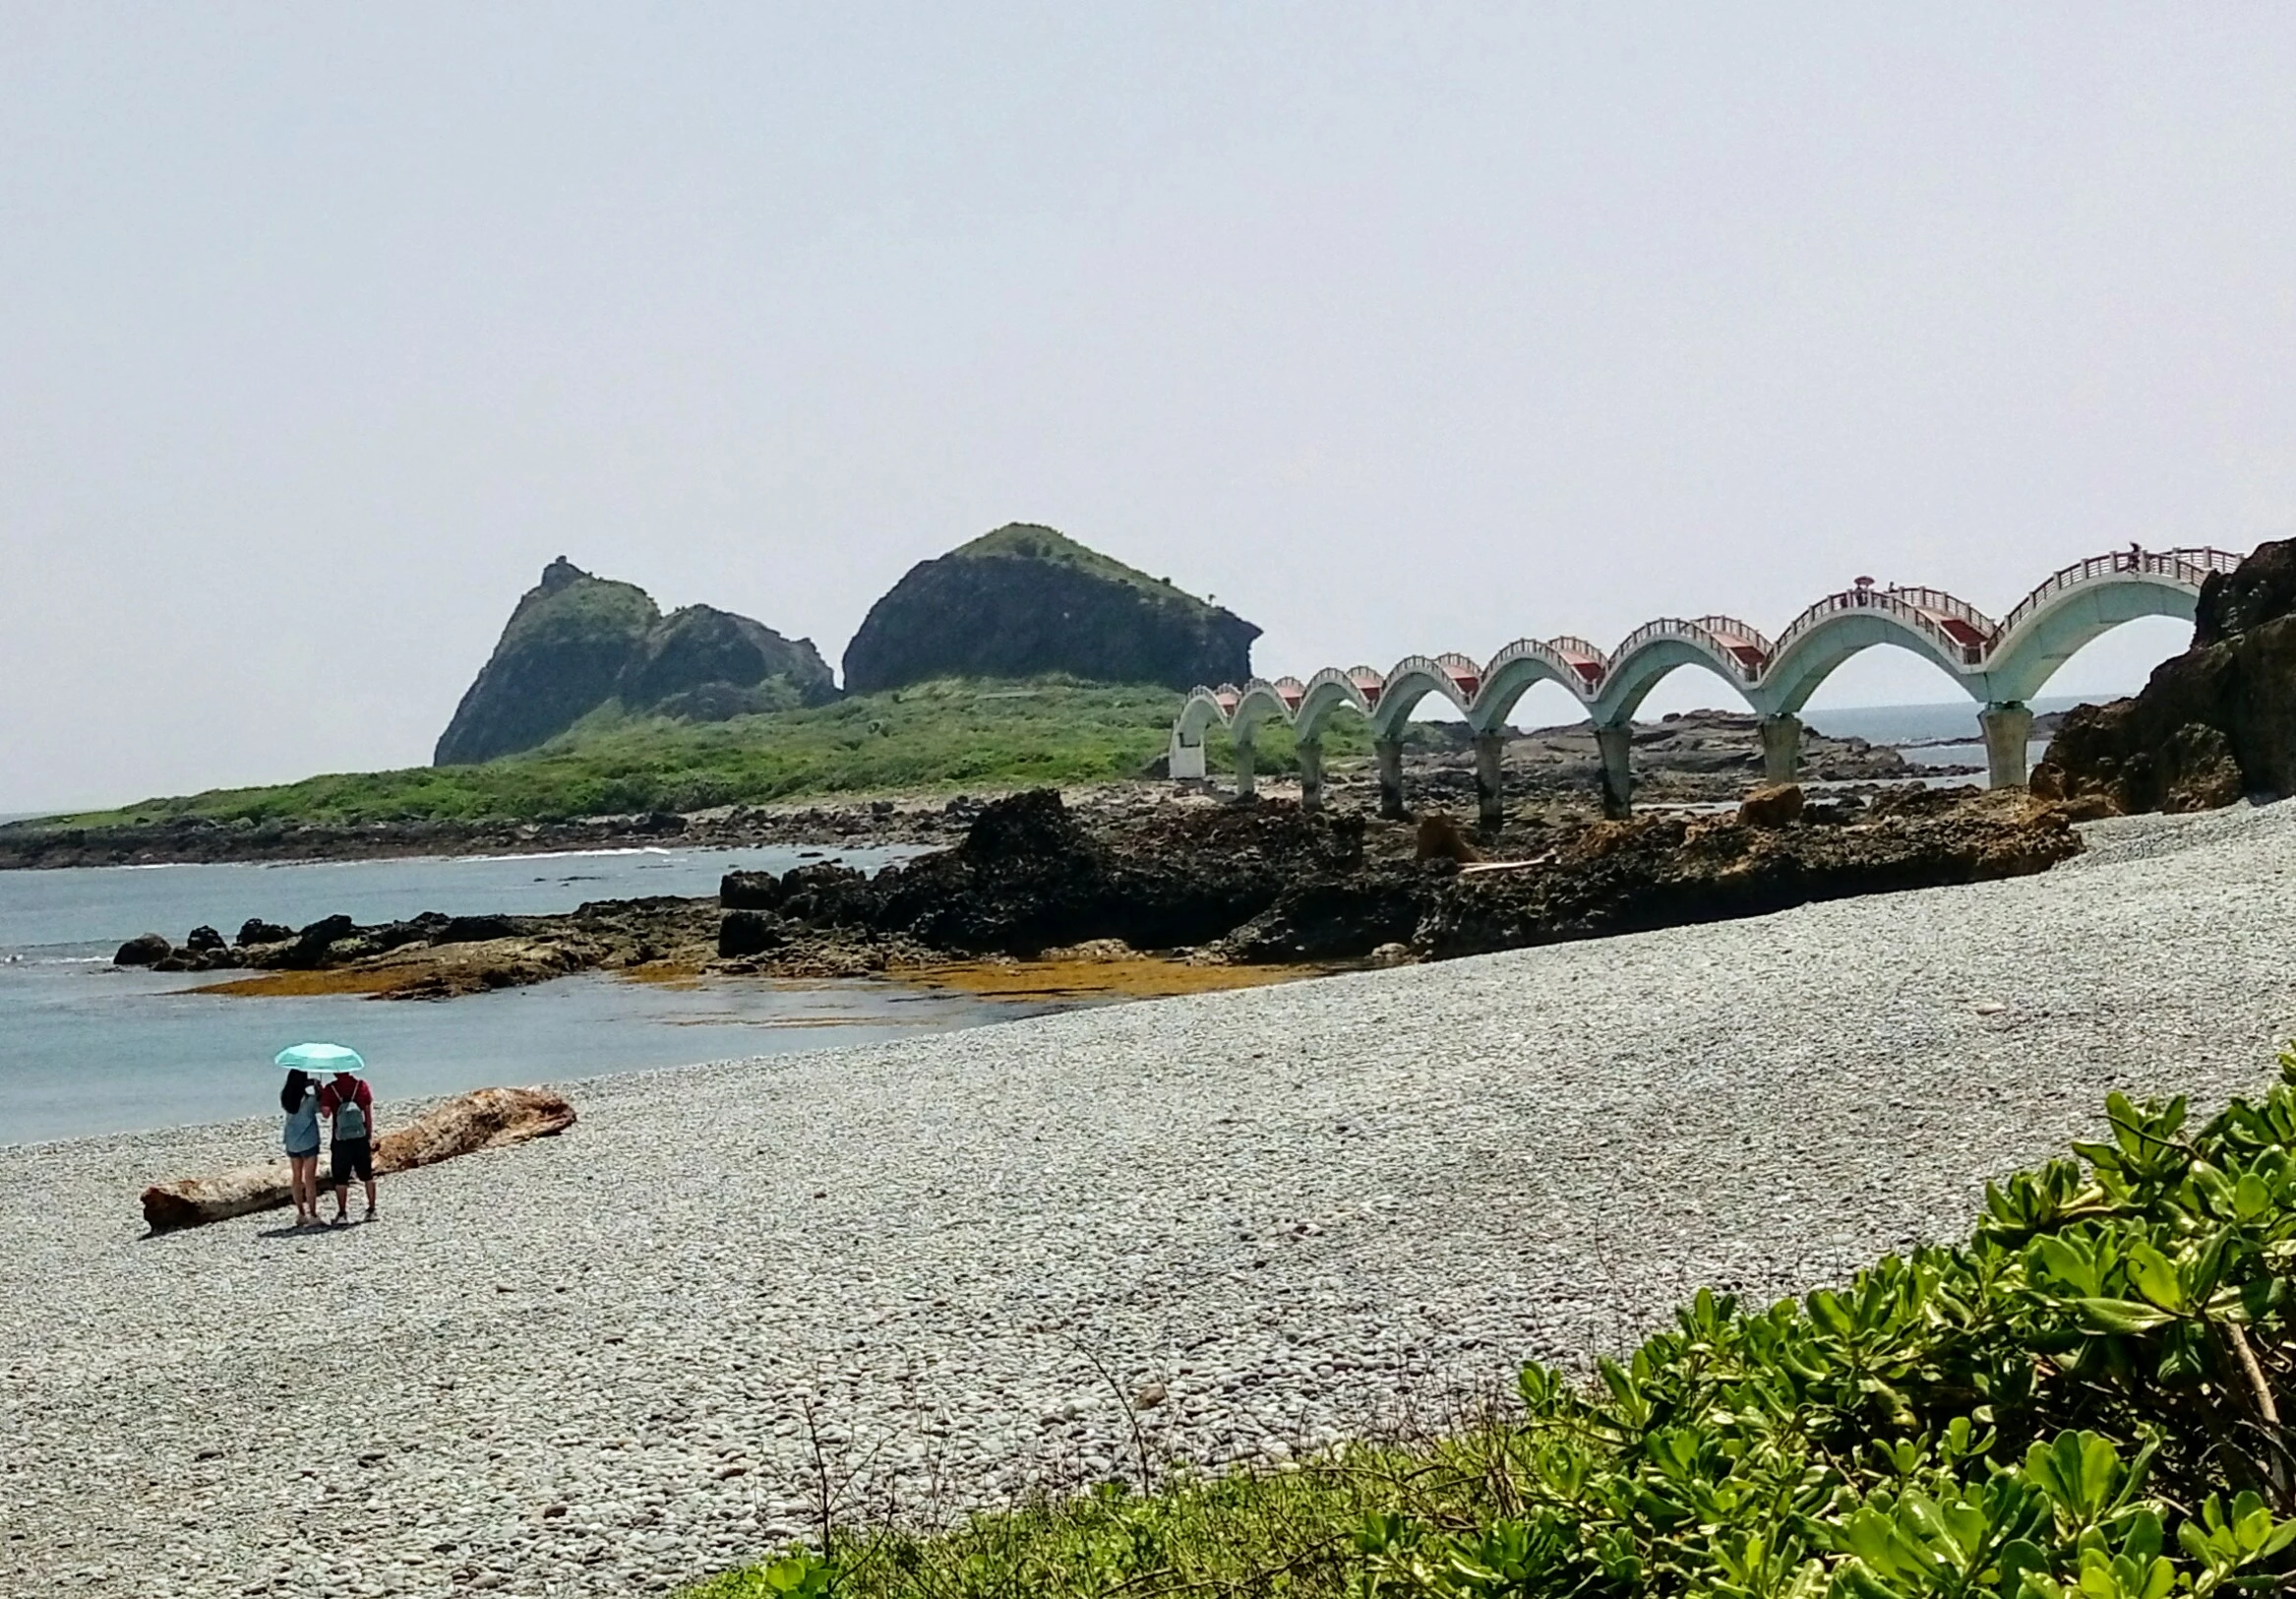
<point x="578" y="642"/>
<point x="942" y="735"/>
<point x="1024" y="602"/>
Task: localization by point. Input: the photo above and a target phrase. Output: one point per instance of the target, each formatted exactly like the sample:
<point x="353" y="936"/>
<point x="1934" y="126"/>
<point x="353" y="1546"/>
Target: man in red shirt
<point x="350" y="1105"/>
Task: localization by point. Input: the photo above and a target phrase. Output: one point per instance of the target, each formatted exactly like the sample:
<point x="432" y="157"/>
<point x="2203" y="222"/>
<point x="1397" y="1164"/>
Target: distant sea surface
<point x="1922" y="726"/>
<point x="85" y="1049"/>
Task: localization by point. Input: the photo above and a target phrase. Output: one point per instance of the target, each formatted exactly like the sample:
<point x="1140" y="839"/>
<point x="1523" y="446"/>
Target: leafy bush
<point x="2081" y="1403"/>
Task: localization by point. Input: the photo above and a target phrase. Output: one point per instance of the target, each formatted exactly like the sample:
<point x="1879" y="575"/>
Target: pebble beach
<point x="949" y="1271"/>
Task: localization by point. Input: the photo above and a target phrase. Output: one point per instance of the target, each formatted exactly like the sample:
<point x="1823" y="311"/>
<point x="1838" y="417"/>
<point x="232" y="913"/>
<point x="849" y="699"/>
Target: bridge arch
<point x="1517" y="670"/>
<point x="1415" y="677"/>
<point x="1201" y="710"/>
<point x="2038" y="640"/>
<point x="1642" y="663"/>
<point x="1830" y="632"/>
<point x="1258" y="702"/>
<point x="1332" y="691"/>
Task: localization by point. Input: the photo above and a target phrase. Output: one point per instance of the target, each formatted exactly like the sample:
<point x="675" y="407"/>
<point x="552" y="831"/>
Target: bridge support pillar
<point x="1616" y="744"/>
<point x="1244" y="766"/>
<point x="2009" y="729"/>
<point x="1389" y="751"/>
<point x="1781" y="748"/>
<point x="1311" y="773"/>
<point x="1184" y="763"/>
<point x="1490" y="795"/>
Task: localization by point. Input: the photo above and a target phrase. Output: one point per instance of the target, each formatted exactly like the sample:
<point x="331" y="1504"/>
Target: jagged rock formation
<point x="576" y="642"/>
<point x="2211" y="724"/>
<point x="1025" y="601"/>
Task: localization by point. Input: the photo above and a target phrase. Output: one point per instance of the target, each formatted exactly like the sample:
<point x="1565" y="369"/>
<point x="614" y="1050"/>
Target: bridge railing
<point x="1937" y="602"/>
<point x="2190" y="566"/>
<point x="1678" y="627"/>
<point x="1891" y="603"/>
<point x="1731" y="627"/>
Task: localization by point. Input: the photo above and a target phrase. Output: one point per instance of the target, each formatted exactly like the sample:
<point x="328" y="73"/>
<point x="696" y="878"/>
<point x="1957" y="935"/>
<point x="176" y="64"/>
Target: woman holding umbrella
<point x="299" y="1099"/>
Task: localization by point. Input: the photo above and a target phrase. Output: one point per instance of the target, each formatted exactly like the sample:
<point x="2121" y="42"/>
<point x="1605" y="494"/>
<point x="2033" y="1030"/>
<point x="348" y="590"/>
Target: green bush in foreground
<point x="2081" y="1403"/>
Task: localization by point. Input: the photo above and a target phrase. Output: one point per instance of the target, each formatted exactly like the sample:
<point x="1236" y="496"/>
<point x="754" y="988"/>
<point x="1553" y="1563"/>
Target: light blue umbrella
<point x="320" y="1059"/>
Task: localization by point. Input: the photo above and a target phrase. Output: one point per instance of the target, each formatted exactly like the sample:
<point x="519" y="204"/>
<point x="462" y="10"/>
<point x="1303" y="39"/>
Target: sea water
<point x="88" y="1049"/>
<point x="1934" y="735"/>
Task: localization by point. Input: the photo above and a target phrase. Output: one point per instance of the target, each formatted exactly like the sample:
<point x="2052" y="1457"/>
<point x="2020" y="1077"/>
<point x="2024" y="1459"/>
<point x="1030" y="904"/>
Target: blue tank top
<point x="302" y="1129"/>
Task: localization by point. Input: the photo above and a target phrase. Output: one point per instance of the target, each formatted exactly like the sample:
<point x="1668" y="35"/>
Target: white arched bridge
<point x="2001" y="666"/>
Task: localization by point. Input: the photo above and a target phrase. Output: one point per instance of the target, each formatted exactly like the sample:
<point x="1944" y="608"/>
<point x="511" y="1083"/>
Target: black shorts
<point x="353" y="1157"/>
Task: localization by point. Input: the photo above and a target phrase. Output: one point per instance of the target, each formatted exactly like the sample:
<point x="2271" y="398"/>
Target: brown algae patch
<point x="431" y="972"/>
<point x="295" y="985"/>
<point x="1133" y="977"/>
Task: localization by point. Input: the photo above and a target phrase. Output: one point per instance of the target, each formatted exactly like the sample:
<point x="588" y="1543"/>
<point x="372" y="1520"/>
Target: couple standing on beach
<point x="348" y="1105"/>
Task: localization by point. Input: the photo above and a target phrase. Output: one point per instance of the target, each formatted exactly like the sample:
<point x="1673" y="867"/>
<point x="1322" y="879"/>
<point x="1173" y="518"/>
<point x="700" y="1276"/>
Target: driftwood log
<point x="489" y="1119"/>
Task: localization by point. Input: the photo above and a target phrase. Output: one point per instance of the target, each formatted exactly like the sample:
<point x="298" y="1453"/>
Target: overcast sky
<point x="1397" y="328"/>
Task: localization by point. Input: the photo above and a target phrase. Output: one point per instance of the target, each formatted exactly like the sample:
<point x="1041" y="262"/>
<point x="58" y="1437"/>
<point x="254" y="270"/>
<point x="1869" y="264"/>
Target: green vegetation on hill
<point x="2084" y="1402"/>
<point x="1026" y="541"/>
<point x="932" y="736"/>
<point x="576" y="643"/>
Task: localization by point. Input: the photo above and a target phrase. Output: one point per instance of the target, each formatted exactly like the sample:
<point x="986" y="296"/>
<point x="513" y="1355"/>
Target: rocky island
<point x="1026" y="600"/>
<point x="575" y="642"/>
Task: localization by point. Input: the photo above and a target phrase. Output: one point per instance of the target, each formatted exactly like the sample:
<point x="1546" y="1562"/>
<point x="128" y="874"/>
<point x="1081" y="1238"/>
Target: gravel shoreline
<point x="579" y="1367"/>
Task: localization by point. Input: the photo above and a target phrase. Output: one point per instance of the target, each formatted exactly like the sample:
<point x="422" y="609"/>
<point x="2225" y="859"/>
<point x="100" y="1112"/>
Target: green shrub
<point x="2083" y="1402"/>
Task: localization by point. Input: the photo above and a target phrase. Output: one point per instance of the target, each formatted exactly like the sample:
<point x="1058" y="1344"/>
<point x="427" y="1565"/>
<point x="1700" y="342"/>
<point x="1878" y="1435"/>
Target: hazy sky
<point x="1401" y="327"/>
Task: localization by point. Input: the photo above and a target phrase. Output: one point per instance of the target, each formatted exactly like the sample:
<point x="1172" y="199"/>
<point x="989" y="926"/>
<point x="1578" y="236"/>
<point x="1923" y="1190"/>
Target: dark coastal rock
<point x="474" y="928"/>
<point x="1026" y="600"/>
<point x="255" y="930"/>
<point x="1335" y="918"/>
<point x="1627" y="877"/>
<point x="1030" y="876"/>
<point x="576" y="642"/>
<point x="1774" y="807"/>
<point x="749" y="890"/>
<point x="748" y="931"/>
<point x="203" y="939"/>
<point x="314" y="945"/>
<point x="143" y="950"/>
<point x="1274" y="882"/>
<point x="2211" y="724"/>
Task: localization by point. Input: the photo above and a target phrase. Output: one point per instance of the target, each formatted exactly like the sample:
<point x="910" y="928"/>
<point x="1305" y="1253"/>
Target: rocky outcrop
<point x="2211" y="724"/>
<point x="1272" y="883"/>
<point x="564" y="648"/>
<point x="143" y="950"/>
<point x="1774" y="807"/>
<point x="489" y="1119"/>
<point x="576" y="641"/>
<point x="1628" y="877"/>
<point x="1026" y="600"/>
<point x="706" y="664"/>
<point x="1239" y="883"/>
